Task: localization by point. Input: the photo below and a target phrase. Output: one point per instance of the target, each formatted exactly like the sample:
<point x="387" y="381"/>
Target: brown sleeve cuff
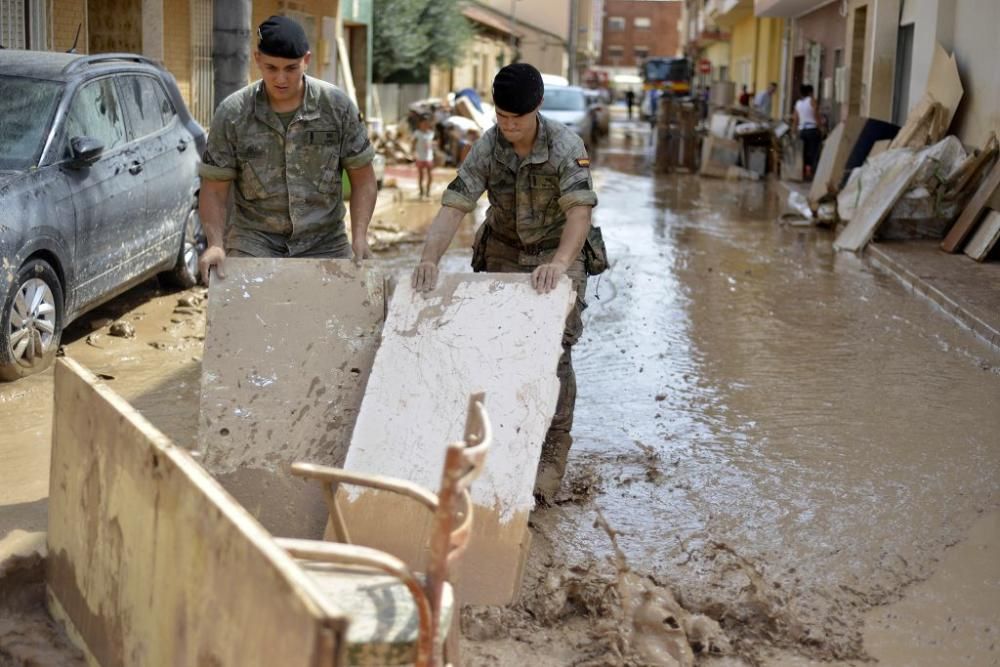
<point x="455" y="200"/>
<point x="577" y="198"/>
<point x="212" y="173"/>
<point x="362" y="159"/>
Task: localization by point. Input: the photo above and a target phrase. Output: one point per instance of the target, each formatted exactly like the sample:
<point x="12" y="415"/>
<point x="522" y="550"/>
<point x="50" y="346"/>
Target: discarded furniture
<point x="289" y="344"/>
<point x="970" y="216"/>
<point x="423" y="607"/>
<point x="985" y="238"/>
<point x="152" y="563"/>
<point x="487" y="332"/>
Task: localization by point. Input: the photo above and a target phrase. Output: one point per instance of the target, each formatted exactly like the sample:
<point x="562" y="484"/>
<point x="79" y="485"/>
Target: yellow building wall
<point x="755" y="54"/>
<point x="67" y="16"/>
<point x="177" y="44"/>
<point x="768" y="67"/>
<point x="741" y="55"/>
<point x="719" y="55"/>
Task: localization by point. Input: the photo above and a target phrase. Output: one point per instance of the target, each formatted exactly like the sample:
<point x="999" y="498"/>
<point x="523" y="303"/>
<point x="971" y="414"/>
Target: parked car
<point x="98" y="191"/>
<point x="600" y="107"/>
<point x="568" y="105"/>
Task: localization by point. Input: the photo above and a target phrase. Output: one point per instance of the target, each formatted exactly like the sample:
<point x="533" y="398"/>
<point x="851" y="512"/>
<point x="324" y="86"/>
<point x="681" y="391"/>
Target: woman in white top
<point x="806" y="122"/>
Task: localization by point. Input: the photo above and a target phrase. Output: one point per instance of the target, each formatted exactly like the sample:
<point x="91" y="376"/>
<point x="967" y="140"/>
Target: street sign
<point x="704" y="66"/>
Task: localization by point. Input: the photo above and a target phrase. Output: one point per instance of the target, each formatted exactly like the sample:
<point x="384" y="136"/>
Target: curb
<point x="952" y="308"/>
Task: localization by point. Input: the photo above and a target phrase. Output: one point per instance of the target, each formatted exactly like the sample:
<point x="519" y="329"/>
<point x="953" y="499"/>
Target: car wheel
<point x="31" y="322"/>
<point x="185" y="273"/>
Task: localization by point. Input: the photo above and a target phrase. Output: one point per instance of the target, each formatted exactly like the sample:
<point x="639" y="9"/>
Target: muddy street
<point x="796" y="458"/>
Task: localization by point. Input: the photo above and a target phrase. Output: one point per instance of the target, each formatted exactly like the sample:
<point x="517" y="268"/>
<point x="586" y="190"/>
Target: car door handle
<point x="182" y="145"/>
<point x="135" y="168"/>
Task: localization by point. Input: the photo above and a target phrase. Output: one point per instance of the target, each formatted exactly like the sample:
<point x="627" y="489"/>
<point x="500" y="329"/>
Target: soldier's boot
<point x="555" y="448"/>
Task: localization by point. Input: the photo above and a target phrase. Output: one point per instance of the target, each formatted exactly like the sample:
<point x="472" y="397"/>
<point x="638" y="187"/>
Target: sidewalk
<point x="965" y="290"/>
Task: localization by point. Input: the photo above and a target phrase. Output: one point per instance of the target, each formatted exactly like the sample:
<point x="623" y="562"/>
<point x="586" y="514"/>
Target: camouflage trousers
<point x="264" y="246"/>
<point x="501" y="258"/>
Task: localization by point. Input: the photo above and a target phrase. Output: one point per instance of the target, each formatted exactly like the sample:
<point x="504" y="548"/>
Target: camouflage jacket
<point x="288" y="182"/>
<point x="528" y="198"/>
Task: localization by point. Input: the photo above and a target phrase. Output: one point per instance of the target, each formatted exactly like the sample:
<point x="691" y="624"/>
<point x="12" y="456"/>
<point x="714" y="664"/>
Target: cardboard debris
<point x="985" y="238"/>
<point x="970" y="216"/>
<point x="920" y="124"/>
<point x="877" y="203"/>
<point x="945" y="85"/>
<point x="930" y="119"/>
<point x="879" y="147"/>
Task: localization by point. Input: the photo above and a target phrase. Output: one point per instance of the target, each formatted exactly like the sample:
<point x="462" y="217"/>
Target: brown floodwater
<point x="780" y="435"/>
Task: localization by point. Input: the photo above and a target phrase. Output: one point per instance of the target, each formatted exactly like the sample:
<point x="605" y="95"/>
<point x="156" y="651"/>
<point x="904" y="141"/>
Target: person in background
<point x="629" y="102"/>
<point x="744" y="96"/>
<point x="465" y="145"/>
<point x="764" y="99"/>
<point x="806" y="121"/>
<point x="423" y="149"/>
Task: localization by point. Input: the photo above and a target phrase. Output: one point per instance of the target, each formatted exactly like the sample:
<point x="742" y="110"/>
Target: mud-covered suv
<point x="98" y="191"/>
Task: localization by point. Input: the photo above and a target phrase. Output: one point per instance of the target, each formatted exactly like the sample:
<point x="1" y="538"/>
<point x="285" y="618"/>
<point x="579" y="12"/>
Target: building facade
<point x="638" y="29"/>
<point x="872" y="58"/>
<point x="178" y="34"/>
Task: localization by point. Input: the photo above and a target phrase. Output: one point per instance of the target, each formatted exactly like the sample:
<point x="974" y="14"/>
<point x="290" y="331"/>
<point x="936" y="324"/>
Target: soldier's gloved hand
<point x="546" y="277"/>
<point x="361" y="250"/>
<point x="425" y="277"/>
<point x="213" y="256"/>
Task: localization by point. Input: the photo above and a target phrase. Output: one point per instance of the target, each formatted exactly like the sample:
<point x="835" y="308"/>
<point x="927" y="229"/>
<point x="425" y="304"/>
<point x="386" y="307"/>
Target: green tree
<point x="409" y="36"/>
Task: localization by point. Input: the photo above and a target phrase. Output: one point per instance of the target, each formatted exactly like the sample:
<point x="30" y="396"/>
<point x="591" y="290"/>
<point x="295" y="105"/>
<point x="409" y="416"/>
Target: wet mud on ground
<point x="781" y="456"/>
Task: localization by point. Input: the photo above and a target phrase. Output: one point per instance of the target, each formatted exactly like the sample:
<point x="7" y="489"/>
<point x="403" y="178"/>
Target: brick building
<point x="637" y="29"/>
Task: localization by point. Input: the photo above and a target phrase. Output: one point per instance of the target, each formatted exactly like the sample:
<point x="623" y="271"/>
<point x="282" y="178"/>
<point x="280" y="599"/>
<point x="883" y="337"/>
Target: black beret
<point x="281" y="37"/>
<point x="518" y="88"/>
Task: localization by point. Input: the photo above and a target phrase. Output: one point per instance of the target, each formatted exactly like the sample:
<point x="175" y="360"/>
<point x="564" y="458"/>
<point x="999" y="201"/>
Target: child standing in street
<point x="423" y="148"/>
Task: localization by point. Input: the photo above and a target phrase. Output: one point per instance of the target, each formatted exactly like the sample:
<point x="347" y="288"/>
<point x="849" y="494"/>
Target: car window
<point x="147" y="103"/>
<point x="26" y="107"/>
<point x="95" y="113"/>
<point x="563" y="100"/>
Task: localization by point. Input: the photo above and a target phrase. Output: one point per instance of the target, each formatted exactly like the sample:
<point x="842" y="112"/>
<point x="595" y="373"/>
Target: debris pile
<point x="909" y="182"/>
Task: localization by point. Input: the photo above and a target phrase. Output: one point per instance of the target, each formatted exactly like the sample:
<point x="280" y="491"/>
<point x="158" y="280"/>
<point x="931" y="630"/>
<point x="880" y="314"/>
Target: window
<point x="26" y="106"/>
<point x="641" y="52"/>
<point x="616" y="23"/>
<point x="147" y="105"/>
<point x="95" y="113"/>
<point x="642" y="23"/>
<point x="616" y="51"/>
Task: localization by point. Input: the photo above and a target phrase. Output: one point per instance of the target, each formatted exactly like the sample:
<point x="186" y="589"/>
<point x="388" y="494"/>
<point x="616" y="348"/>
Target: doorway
<point x="901" y="80"/>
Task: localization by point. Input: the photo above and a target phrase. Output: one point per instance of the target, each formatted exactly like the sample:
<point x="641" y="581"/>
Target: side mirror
<point x="84" y="151"/>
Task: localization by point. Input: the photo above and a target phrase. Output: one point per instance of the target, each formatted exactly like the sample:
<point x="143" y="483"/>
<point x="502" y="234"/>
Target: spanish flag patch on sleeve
<point x="583" y="162"/>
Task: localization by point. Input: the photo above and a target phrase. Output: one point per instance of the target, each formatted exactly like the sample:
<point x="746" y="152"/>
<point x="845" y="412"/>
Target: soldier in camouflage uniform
<point x="282" y="142"/>
<point x="537" y="175"/>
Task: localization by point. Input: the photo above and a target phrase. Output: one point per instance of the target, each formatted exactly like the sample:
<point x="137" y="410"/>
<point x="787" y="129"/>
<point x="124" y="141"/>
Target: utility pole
<point x="573" y="36"/>
<point x="230" y="46"/>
